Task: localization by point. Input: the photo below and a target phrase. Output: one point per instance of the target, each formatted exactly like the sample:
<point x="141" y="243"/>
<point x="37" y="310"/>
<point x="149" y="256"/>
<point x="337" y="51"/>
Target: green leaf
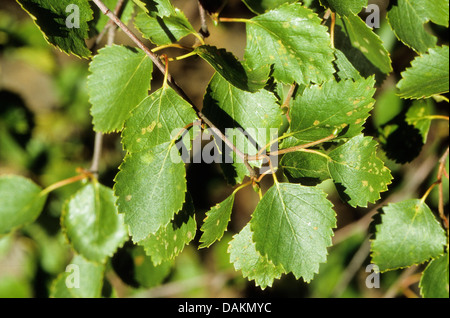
<point x="355" y="166"/>
<point x="346" y="70"/>
<point x="364" y="39"/>
<point x="92" y="224"/>
<point x="82" y="279"/>
<point x="291" y="38"/>
<point x="408" y="234"/>
<point x="245" y="258"/>
<point x="63" y="26"/>
<point x="147" y="274"/>
<point x="292" y="225"/>
<point x="345" y="7"/>
<point x="246" y="118"/>
<point x="21" y="202"/>
<point x="120" y="79"/>
<point x="306" y="168"/>
<point x="164" y="30"/>
<point x="261" y="6"/>
<point x="427" y="76"/>
<point x="418" y="115"/>
<point x="229" y="107"/>
<point x="150" y="188"/>
<point x="387" y="107"/>
<point x="161" y="8"/>
<point x="434" y="281"/>
<point x="227" y="65"/>
<point x="216" y="222"/>
<point x="407" y="19"/>
<point x="155" y="119"/>
<point x="320" y="110"/>
<point x="353" y="54"/>
<point x="169" y="242"/>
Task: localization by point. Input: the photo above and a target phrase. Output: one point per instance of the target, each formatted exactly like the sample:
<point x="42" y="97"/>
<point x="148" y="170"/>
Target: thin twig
<point x="98" y="142"/>
<point x="441" y="173"/>
<point x="300" y="147"/>
<point x="83" y="174"/>
<point x="110" y="25"/>
<point x="178" y="288"/>
<point x="288" y="100"/>
<point x="326" y="16"/>
<point x="394" y="289"/>
<point x="352" y="268"/>
<point x="94" y="169"/>
<point x="204" y="26"/>
<point x="261" y="154"/>
<point x="333" y="23"/>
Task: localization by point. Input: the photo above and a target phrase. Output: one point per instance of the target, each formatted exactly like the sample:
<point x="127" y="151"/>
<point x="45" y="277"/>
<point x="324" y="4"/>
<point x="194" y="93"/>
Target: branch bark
<point x="204" y="27"/>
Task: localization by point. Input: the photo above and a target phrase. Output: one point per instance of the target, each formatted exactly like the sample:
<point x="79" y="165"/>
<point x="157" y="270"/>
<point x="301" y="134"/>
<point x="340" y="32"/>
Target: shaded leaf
<point x="418" y="115"/>
<point x="164" y="30"/>
<point x="228" y="66"/>
<point x="21" y="202"/>
<point x="387" y="107"/>
<point x="346" y="70"/>
<point x="306" y="168"/>
<point x="345" y="7"/>
<point x="261" y="6"/>
<point x="147" y="274"/>
<point x="64" y="23"/>
<point x="161" y="8"/>
<point x="364" y="39"/>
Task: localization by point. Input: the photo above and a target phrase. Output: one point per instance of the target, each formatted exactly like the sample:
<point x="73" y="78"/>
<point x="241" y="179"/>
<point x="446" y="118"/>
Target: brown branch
<point x="153" y="56"/>
<point x="261" y="154"/>
<point x="333" y="23"/>
<point x="442" y="172"/>
<point x="94" y="169"/>
<point x="98" y="142"/>
<point x="300" y="147"/>
<point x="288" y="100"/>
<point x="110" y="25"/>
<point x="204" y="32"/>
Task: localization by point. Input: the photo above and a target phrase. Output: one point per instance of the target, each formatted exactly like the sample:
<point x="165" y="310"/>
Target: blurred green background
<point x="46" y="133"/>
